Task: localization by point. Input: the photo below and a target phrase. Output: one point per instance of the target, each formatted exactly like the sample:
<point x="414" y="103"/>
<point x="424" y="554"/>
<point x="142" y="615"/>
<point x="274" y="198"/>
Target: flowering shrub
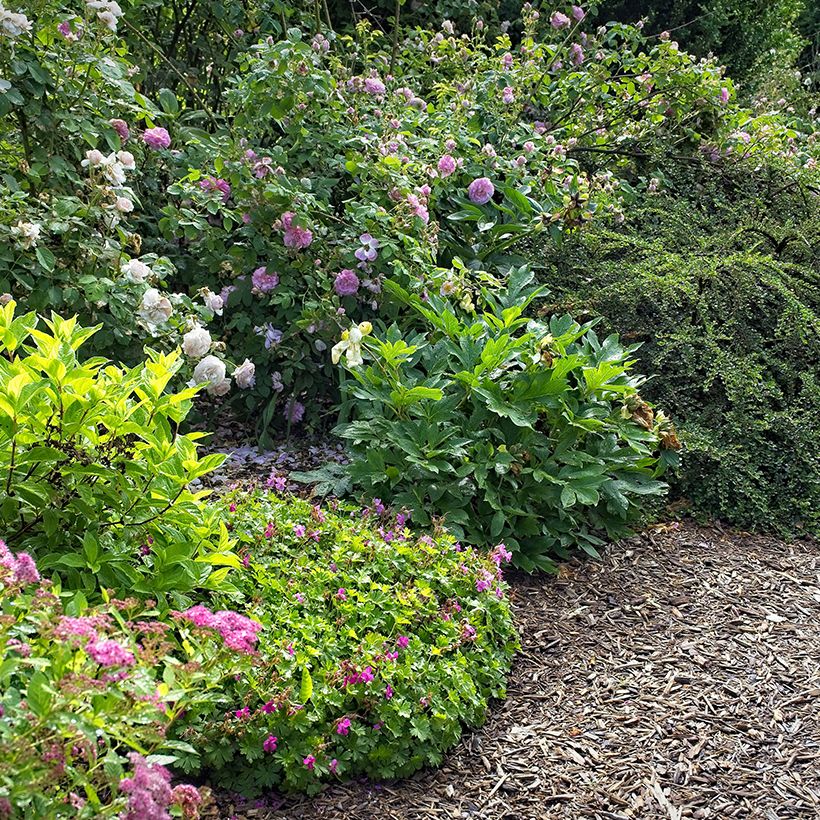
<point x="83" y="155"/>
<point x="95" y="472"/>
<point x="525" y="430"/>
<point x="347" y="167"/>
<point x="378" y="646"/>
<point x="88" y="696"/>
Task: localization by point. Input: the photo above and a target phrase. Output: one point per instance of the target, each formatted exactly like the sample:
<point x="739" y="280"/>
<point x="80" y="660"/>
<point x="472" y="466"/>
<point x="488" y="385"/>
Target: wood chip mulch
<point x="679" y="677"/>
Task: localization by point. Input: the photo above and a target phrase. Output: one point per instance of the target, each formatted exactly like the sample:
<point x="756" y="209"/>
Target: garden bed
<point x="676" y="678"/>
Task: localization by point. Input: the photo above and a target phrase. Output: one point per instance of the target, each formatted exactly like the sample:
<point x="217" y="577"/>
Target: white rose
<point x="126" y="159"/>
<point x="211" y="370"/>
<point x="213" y="301"/>
<point x="124" y="205"/>
<point x="108" y="19"/>
<point x="112" y="170"/>
<point x="196" y="342"/>
<point x="245" y="375"/>
<point x="12" y="24"/>
<point x="136" y="271"/>
<point x="155" y="308"/>
<point x="27" y="234"/>
<point x="93" y="159"/>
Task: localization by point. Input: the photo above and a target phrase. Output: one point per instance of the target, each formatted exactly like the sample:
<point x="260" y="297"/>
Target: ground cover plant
<point x="378" y="646"/>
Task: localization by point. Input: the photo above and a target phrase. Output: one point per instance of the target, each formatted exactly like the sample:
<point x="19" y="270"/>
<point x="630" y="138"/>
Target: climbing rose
<point x="245" y="375"/>
<point x="559" y="20"/>
<point x="576" y="54"/>
<point x="508" y="95"/>
<point x="196" y="342"/>
<point x="481" y="191"/>
<point x="211" y="370"/>
<point x="264" y="282"/>
<point x="294" y="236"/>
<point x="347" y="283"/>
<point x="374" y="86"/>
<point x="156" y="138"/>
<point x="578" y="13"/>
<point x="121" y="127"/>
<point x="446" y="165"/>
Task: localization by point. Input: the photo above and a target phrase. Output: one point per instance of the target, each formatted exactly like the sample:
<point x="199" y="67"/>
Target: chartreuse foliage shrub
<point x="95" y="472"/>
<point x="89" y="698"/>
<point x="527" y="430"/>
<point x="719" y="281"/>
<point x="378" y="646"/>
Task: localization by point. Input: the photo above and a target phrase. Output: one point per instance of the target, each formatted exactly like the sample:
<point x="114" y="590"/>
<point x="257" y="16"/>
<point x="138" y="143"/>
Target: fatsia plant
<point x="95" y="473"/>
<point x="533" y="432"/>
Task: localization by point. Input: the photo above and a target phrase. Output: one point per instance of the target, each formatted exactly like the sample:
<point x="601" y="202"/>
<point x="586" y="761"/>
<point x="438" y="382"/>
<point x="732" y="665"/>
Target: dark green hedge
<point x="720" y="281"/>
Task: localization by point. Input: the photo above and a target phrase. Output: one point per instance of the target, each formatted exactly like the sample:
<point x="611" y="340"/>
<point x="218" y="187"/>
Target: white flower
<point x="126" y="159"/>
<point x="12" y="24"/>
<point x="155" y="308"/>
<point x="113" y="170"/>
<point x="27" y="234"/>
<point x="351" y="345"/>
<point x="135" y="271"/>
<point x="211" y="370"/>
<point x="196" y="342"/>
<point x="124" y="205"/>
<point x="245" y="375"/>
<point x="213" y="301"/>
<point x="93" y="159"/>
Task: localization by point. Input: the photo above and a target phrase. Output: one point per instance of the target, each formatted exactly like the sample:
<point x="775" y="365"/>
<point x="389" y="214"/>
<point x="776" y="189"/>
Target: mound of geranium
<point x="378" y="645"/>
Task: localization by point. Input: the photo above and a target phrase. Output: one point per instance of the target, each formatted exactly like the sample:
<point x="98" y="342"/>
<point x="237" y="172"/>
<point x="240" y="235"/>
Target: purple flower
<point x="468" y="632"/>
<point x="576" y="54"/>
<point x="121" y="127"/>
<point x="213" y="184"/>
<point x="366" y="675"/>
<point x="559" y="20"/>
<point x="65" y="28"/>
<point x="501" y="554"/>
<point x="299" y="530"/>
<point x="343" y="726"/>
<point x="484" y="583"/>
<point x="374" y="86"/>
<point x="724" y="95"/>
<point x="270" y="744"/>
<point x="446" y="165"/>
<point x="342" y="594"/>
<point x="242" y="714"/>
<point x="388" y="692"/>
<point x="508" y="95"/>
<point x="332" y="765"/>
<point x="369" y="250"/>
<point x="310" y="762"/>
<point x="294" y="236"/>
<point x="481" y="191"/>
<point x="22" y="567"/>
<point x="237" y="631"/>
<point x="156" y="138"/>
<point x="403" y="642"/>
<point x="272" y="335"/>
<point x="264" y="282"/>
<point x="578" y="14"/>
<point x="346" y="283"/>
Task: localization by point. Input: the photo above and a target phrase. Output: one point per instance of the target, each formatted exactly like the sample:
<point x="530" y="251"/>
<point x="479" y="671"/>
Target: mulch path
<point x="679" y="677"/>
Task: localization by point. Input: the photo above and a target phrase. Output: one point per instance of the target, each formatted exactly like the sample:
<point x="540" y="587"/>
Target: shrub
<point x="87" y="694"/>
<point x="379" y="644"/>
<point x="719" y="281"/>
<point x="95" y="471"/>
<point x="525" y="430"/>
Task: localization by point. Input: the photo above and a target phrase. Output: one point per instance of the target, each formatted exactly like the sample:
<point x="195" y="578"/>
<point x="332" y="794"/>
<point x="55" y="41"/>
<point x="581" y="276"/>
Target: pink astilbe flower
<point x="149" y="791"/>
<point x="481" y="191"/>
<point x="156" y="138"/>
<point x="85" y="626"/>
<point x="346" y="283"/>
